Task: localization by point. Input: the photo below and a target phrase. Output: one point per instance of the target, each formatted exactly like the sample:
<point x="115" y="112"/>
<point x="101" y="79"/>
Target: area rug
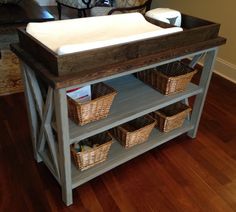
<point x="10" y="76"/>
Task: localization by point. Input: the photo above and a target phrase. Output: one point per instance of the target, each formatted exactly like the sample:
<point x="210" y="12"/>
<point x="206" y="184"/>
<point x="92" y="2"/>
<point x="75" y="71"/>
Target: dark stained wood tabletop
<point x="106" y="71"/>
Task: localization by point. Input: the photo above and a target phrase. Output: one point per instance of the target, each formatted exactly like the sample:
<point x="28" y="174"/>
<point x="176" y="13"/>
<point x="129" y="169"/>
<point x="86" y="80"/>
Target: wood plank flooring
<point x="182" y="175"/>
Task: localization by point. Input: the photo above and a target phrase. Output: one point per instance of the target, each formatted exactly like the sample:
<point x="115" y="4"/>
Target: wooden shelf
<point x="133" y="100"/>
<point x="119" y="155"/>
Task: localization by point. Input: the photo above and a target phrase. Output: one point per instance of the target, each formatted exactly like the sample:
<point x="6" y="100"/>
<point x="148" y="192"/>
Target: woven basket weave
<point x="134" y="132"/>
<point x="171" y="117"/>
<point x="89" y="158"/>
<point x="97" y="108"/>
<point x="169" y="78"/>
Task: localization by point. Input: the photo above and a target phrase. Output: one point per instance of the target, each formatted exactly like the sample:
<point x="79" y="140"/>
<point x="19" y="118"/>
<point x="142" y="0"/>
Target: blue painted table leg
<point x="204" y="84"/>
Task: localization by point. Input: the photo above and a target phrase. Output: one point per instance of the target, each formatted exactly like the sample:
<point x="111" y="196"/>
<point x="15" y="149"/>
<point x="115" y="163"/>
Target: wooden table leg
<point x="64" y="144"/>
<point x="204" y="84"/>
<point x="32" y="112"/>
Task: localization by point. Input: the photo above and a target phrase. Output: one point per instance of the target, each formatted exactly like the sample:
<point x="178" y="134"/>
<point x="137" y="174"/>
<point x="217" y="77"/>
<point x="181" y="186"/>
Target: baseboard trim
<point x="225" y="69"/>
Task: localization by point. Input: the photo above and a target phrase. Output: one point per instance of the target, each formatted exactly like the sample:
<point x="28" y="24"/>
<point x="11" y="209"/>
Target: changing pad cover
<point x="76" y="35"/>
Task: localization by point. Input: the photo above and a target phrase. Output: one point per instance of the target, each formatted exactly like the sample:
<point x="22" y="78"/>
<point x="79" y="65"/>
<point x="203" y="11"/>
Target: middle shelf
<point x="134" y="99"/>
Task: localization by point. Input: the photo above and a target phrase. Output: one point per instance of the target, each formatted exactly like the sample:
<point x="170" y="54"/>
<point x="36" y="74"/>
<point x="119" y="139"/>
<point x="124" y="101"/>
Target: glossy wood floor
<point x="182" y="175"/>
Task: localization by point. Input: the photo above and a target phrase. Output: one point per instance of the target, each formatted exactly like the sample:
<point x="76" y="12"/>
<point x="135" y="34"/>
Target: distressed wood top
<point x="106" y="71"/>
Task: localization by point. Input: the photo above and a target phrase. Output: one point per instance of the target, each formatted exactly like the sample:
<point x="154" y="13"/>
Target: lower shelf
<point x="119" y="155"/>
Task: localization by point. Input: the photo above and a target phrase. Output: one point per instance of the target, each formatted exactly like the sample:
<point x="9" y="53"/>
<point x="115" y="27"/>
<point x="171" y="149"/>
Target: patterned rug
<point x="10" y="76"/>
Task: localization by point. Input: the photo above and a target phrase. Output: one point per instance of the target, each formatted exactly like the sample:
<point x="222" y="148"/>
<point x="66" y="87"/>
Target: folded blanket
<point x="166" y="15"/>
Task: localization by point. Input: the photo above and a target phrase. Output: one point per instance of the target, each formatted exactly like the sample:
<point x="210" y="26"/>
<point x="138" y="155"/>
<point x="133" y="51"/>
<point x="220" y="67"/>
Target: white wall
<point x="219" y="12"/>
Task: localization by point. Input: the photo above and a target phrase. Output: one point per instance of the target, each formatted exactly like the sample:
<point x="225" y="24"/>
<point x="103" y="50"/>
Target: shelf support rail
<point x="40" y="118"/>
<point x="192" y="64"/>
<point x="196" y="59"/>
<point x="208" y="65"/>
<point x="61" y="109"/>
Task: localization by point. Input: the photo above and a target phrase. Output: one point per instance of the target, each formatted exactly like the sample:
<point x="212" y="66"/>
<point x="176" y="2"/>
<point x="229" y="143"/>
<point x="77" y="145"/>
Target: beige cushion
<point x="100" y="11"/>
<point x="129" y="3"/>
<point x="73" y="3"/>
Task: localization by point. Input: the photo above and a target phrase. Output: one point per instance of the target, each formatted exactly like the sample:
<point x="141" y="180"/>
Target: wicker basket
<point x="169" y="78"/>
<point x="134" y="132"/>
<point x="171" y="117"/>
<point x="86" y="159"/>
<point x="97" y="108"/>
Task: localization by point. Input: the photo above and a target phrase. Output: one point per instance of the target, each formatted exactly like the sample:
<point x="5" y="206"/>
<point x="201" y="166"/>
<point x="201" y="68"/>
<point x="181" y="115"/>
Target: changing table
<point x="48" y="75"/>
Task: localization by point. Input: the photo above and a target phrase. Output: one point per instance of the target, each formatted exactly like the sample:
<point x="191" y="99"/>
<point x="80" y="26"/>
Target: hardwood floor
<point x="182" y="175"/>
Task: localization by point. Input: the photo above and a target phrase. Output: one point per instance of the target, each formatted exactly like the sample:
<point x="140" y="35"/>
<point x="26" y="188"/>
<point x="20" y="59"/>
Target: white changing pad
<point x="76" y="35"/>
